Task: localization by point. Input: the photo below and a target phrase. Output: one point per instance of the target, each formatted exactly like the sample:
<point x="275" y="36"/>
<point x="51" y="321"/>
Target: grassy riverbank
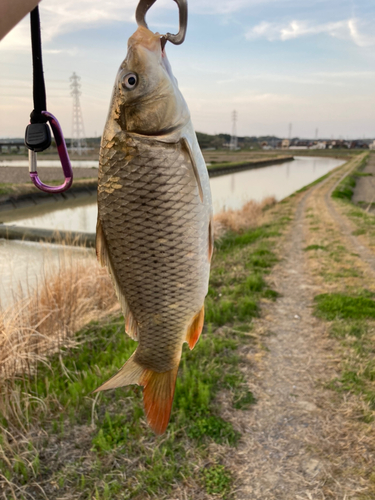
<point x="60" y="441"/>
<point x="57" y="439"/>
<point x="346" y="302"/>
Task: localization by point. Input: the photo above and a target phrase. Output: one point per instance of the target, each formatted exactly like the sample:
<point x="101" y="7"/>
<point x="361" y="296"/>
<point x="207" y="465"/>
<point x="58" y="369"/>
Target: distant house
<point x="285" y="143"/>
<point x="319" y="145"/>
<point x="358" y="145"/>
<point x="300" y="145"/>
<point x="372" y="145"/>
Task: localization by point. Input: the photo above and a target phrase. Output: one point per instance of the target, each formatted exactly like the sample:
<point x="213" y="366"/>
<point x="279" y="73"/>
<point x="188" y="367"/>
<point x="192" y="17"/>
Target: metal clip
<point x="64" y="159"/>
<point x="144" y="6"/>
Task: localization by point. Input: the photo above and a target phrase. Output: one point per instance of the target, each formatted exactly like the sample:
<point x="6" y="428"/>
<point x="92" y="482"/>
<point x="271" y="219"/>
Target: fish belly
<point x="156" y="230"/>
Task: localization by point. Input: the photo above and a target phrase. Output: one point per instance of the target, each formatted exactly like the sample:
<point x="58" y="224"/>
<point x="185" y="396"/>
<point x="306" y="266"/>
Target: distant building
<point x="372" y="145"/>
<point x="358" y="145"/>
<point x="285" y="143"/>
<point x="319" y="145"/>
<point x="300" y="145"/>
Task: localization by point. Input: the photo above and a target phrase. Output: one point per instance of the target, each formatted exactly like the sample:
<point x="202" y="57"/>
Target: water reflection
<point x="232" y="191"/>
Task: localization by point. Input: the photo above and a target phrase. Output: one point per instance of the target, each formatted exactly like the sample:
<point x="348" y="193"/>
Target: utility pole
<point x="233" y="139"/>
<point x="316" y="133"/>
<point x="290" y="131"/>
<point x="78" y="142"/>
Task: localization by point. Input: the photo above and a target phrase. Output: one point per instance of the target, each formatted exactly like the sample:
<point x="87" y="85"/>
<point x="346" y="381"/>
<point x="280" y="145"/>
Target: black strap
<point x="39" y="90"/>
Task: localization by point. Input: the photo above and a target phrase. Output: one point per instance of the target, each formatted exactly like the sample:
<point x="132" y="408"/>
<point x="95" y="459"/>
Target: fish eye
<point x="129" y="81"/>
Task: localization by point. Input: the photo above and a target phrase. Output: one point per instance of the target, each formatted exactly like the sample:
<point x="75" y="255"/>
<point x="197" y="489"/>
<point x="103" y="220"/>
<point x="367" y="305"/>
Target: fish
<point x="155" y="222"/>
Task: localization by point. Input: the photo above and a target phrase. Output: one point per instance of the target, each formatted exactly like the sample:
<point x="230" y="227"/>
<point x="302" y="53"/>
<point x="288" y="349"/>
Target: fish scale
<point x="153" y="251"/>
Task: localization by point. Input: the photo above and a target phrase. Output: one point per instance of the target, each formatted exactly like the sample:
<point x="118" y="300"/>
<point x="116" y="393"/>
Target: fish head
<point x="146" y="98"/>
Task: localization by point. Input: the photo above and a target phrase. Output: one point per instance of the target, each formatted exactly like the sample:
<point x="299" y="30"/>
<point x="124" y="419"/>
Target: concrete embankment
<point x="215" y="170"/>
<point x="9" y="232"/>
<point x="80" y="189"/>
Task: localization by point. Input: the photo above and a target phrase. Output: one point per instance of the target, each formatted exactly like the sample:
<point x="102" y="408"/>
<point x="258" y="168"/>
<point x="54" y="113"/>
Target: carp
<point x="155" y="229"/>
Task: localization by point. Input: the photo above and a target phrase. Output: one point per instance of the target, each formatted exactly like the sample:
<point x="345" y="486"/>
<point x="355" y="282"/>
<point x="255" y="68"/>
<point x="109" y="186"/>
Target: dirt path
<point x="296" y="435"/>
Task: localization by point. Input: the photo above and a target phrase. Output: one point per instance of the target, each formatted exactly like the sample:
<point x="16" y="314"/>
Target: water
<point x="22" y="263"/>
<point x="233" y="190"/>
<point x="228" y="191"/>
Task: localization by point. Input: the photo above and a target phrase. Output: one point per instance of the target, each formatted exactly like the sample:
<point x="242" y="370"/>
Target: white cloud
<point x="359" y="32"/>
<point x="59" y="17"/>
<point x="222" y="6"/>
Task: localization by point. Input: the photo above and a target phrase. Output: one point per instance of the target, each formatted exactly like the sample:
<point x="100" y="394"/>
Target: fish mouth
<point x="154" y="42"/>
<point x="147" y="39"/>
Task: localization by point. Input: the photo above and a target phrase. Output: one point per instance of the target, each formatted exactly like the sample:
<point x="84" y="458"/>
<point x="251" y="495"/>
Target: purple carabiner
<point x="64" y="159"/>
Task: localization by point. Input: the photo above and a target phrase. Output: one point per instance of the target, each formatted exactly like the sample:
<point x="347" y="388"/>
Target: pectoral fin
<point x="131" y="326"/>
<point x="195" y="329"/>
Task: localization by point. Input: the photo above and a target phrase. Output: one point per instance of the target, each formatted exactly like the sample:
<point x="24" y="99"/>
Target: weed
<point x="332" y="306"/>
<point x="243" y="400"/>
<point x="215" y="428"/>
<point x="341" y="329"/>
<point x="358" y="232"/>
<point x="216" y="480"/>
<point x="345" y="188"/>
<point x="314" y="247"/>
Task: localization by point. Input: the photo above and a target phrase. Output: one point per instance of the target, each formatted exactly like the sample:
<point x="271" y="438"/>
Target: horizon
<point x="276" y="62"/>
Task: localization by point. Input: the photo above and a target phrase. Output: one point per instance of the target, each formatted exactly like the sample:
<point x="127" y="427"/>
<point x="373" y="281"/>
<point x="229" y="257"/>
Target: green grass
<point x="332" y="306"/>
<point x="7" y="189"/>
<point x="110" y="428"/>
<point x="345" y="188"/>
<point x="315" y="247"/>
<point x="358" y="374"/>
<point x="217" y="480"/>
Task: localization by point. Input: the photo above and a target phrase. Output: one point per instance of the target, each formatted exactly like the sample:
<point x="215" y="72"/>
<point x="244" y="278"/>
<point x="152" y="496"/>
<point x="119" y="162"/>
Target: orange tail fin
<point x="195" y="329"/>
<point x="158" y="396"/>
<point x="158" y="391"/>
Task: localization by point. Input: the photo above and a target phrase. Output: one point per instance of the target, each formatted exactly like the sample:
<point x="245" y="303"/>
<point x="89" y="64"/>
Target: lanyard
<point x="38" y="134"/>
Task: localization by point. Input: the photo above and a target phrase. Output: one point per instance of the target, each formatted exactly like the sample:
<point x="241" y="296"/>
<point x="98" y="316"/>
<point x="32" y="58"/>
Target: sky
<point x="275" y="62"/>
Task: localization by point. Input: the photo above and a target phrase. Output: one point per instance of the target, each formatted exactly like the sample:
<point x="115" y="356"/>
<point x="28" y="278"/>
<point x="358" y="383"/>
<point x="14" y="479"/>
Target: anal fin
<point x="195" y="329"/>
<point x="131" y="325"/>
<point x="130" y="373"/>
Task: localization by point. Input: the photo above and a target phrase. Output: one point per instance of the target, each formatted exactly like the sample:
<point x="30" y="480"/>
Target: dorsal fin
<point x="185" y="144"/>
<point x="211" y="239"/>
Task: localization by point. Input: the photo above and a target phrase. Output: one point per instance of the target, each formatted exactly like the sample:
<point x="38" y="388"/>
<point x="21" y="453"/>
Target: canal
<point x="22" y="262"/>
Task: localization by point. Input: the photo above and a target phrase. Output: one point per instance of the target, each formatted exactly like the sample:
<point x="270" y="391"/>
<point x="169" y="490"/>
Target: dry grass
<point x="78" y="291"/>
<point x="250" y="215"/>
<point x="43" y="319"/>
